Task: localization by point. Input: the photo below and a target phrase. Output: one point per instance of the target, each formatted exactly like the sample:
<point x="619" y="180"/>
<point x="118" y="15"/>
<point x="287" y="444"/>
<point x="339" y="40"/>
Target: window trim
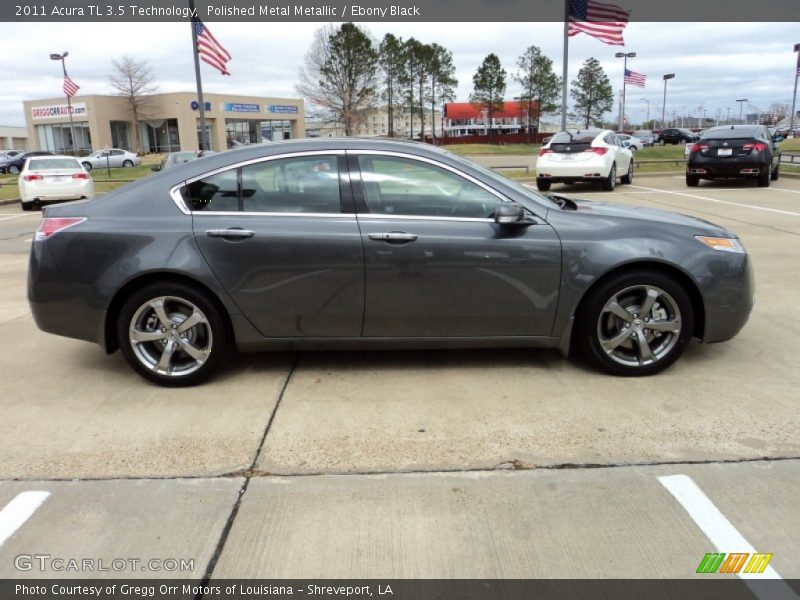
<point x="363" y="209"/>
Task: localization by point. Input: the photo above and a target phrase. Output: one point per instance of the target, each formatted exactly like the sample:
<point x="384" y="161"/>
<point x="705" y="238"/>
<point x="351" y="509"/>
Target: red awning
<point x="466" y="110"/>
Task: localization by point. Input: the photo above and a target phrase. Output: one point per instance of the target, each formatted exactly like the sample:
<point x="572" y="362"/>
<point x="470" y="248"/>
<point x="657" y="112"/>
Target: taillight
<point x="544" y="151"/>
<point x="758" y="147"/>
<point x="52" y="225"/>
<point x="80" y="176"/>
<point x="598" y="151"/>
<point x="699" y="148"/>
<point x="32" y="177"/>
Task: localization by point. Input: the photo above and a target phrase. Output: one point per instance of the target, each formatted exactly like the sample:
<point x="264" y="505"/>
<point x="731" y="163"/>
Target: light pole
<point x="648" y="110"/>
<point x="626" y="56"/>
<point x="61" y="57"/>
<point x="667" y="77"/>
<point x="794" y="94"/>
<point x="741" y="102"/>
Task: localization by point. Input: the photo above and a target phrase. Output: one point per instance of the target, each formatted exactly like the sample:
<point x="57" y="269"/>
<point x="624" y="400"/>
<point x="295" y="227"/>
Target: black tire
<point x="87" y="166"/>
<point x="775" y="175"/>
<point x="628" y="178"/>
<point x="610" y="182"/>
<point x="26" y="206"/>
<point x="764" y="179"/>
<point x="593" y="319"/>
<point x="13" y="170"/>
<point x="543" y="185"/>
<point x="210" y="337"/>
<point x="662" y="142"/>
<point x="692" y="180"/>
<point x="127" y="163"/>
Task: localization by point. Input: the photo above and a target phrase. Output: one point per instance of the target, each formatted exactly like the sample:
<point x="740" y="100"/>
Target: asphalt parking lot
<point x="495" y="464"/>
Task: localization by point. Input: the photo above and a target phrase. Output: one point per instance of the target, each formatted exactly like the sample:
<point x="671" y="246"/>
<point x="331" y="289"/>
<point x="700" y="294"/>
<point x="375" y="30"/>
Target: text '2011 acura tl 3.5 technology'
<point x="373" y="243"/>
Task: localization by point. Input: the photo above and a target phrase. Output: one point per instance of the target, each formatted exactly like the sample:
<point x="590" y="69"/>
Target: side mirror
<point x="509" y="213"/>
<point x="155" y="167"/>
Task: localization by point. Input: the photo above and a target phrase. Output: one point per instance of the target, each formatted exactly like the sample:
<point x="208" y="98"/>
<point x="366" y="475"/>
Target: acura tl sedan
<point x="339" y="244"/>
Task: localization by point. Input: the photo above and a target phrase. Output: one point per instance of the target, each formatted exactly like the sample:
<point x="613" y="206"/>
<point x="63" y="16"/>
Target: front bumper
<point x="729" y="295"/>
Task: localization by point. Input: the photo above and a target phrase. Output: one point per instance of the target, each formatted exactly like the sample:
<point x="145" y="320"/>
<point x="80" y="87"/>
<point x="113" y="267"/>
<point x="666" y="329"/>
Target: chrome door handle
<point x="230" y="233"/>
<point x="396" y="237"/>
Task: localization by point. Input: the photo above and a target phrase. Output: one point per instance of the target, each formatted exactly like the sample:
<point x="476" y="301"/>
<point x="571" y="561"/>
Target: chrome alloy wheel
<point x="170" y="336"/>
<point x="639" y="325"/>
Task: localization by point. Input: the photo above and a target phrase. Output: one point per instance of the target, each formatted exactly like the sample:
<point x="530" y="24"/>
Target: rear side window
<point x="219" y="192"/>
<point x="304" y="184"/>
<point x="54" y="163"/>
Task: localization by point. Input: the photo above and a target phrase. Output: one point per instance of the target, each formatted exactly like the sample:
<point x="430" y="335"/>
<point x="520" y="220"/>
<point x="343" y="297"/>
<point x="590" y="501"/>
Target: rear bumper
<point x="586" y="170"/>
<point x="732" y="167"/>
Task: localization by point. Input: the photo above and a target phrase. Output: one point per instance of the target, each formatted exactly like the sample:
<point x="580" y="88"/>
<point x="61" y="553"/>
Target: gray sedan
<point x="316" y="244"/>
<point x="112" y="158"/>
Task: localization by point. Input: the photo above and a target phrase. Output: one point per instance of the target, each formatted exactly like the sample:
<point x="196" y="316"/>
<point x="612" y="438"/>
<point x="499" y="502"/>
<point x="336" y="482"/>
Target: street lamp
<point x="666" y="78"/>
<point x="61" y="57"/>
<point x="741" y="102"/>
<point x="626" y="56"/>
<point x="648" y="111"/>
<point x="794" y="94"/>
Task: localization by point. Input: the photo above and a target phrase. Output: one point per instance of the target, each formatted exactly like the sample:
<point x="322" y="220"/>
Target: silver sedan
<point x="111" y="158"/>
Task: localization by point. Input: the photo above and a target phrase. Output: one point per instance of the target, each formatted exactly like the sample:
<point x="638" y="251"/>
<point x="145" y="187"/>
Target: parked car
<point x="14" y="165"/>
<point x="647" y="137"/>
<point x="115" y="157"/>
<point x="173" y="159"/>
<point x="357" y="243"/>
<point x="10" y="153"/>
<point x="631" y="142"/>
<point x="734" y="151"/>
<point x="594" y="155"/>
<point x="51" y="178"/>
<point x="676" y="136"/>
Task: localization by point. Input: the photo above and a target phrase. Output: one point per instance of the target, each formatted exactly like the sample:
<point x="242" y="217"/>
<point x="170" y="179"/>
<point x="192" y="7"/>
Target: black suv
<point x="740" y="151"/>
<point x="676" y="136"/>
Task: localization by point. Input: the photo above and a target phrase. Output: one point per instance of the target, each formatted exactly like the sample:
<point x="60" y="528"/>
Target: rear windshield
<point x="579" y="142"/>
<point x="54" y="163"/>
<point x="729" y="134"/>
<point x="570" y="148"/>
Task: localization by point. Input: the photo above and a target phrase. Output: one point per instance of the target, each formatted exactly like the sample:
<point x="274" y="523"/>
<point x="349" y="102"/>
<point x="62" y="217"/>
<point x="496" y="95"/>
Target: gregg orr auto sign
<point x="58" y="111"/>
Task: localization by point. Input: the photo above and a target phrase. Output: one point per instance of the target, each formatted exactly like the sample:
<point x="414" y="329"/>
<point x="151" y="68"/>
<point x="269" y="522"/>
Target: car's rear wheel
<point x="610" y="182"/>
<point x="87" y="166"/>
<point x="543" y="184"/>
<point x="692" y="180"/>
<point x="636" y="323"/>
<point x="172" y="334"/>
<point x="13" y="170"/>
<point x="628" y="178"/>
<point x="27" y="205"/>
<point x="776" y="173"/>
<point x="127" y="163"/>
<point x="764" y="178"/>
<point x="662" y="142"/>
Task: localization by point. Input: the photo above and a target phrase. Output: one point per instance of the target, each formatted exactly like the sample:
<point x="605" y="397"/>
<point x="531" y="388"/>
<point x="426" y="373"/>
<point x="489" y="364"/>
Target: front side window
<point x="404" y="186"/>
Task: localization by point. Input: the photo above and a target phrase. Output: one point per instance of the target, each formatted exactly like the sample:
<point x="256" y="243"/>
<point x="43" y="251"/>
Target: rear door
<point x="437" y="264"/>
<point x="282" y="238"/>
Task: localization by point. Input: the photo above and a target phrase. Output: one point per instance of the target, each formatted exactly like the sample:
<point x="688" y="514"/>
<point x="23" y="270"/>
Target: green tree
<point x="390" y="61"/>
<point x="340" y="75"/>
<point x="416" y="62"/>
<point x="489" y="87"/>
<point x="592" y="92"/>
<point x="443" y="80"/>
<point x="540" y="85"/>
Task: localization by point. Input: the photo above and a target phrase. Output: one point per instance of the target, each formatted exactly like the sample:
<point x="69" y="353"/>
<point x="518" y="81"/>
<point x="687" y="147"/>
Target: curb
<point x="11" y="201"/>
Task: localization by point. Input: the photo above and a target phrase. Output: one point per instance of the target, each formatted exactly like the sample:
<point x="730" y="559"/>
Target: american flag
<point x="603" y="21"/>
<point x="634" y="78"/>
<point x="209" y="49"/>
<point x="70" y="87"/>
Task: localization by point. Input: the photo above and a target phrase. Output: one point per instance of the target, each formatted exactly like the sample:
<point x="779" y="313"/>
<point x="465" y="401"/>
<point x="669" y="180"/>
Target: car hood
<point x="641" y="213"/>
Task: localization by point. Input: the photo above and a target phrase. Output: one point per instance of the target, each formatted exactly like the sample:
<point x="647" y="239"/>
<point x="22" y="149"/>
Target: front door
<point x="275" y="235"/>
<point x="436" y="263"/>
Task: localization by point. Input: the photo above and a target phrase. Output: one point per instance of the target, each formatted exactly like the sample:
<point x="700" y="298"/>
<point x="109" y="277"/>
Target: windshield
<point x="53" y="163"/>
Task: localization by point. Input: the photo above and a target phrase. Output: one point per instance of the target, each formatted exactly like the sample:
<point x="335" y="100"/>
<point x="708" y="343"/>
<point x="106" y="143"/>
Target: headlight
<point x="723" y="244"/>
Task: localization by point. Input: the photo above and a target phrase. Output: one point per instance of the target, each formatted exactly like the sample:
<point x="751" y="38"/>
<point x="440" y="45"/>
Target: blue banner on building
<point x="239" y="107"/>
<point x="282" y="108"/>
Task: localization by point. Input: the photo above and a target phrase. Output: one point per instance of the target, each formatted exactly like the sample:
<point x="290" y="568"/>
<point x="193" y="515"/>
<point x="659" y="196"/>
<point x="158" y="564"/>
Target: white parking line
<point x="782" y="190"/>
<point x="30" y="214"/>
<point x="18" y="511"/>
<point x="707" y="199"/>
<point x="722" y="534"/>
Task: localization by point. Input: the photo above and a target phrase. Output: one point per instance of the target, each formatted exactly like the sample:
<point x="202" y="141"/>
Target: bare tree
<point x="339" y="76"/>
<point x="134" y="80"/>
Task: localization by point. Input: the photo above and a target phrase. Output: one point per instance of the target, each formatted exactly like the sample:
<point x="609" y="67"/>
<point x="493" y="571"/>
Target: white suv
<point x="595" y="155"/>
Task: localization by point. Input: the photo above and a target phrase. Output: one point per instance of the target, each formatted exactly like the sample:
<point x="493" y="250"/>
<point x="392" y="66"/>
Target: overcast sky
<point x="714" y="63"/>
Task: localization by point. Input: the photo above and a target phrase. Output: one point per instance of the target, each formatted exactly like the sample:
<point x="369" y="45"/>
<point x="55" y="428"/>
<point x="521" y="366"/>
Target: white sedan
<point x="111" y="158"/>
<point x="631" y="142"/>
<point x="51" y="178"/>
<point x="593" y="155"/>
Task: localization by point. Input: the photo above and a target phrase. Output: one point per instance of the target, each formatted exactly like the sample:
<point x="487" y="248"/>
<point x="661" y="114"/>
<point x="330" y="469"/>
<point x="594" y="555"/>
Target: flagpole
<point x="622" y="115"/>
<point x="201" y="106"/>
<point x="565" y="68"/>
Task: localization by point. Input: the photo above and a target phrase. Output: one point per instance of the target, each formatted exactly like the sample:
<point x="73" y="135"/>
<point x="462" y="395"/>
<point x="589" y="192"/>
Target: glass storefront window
<point x="160" y="136"/>
<point x="252" y="131"/>
<point x="119" y="135"/>
<point x="58" y="138"/>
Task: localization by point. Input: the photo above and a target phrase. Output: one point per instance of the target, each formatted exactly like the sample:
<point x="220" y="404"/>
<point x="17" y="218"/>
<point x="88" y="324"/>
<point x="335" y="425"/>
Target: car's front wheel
<point x="172" y="334"/>
<point x="635" y="323"/>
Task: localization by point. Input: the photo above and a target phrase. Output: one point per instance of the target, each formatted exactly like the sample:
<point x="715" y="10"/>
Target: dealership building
<point x="168" y="122"/>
